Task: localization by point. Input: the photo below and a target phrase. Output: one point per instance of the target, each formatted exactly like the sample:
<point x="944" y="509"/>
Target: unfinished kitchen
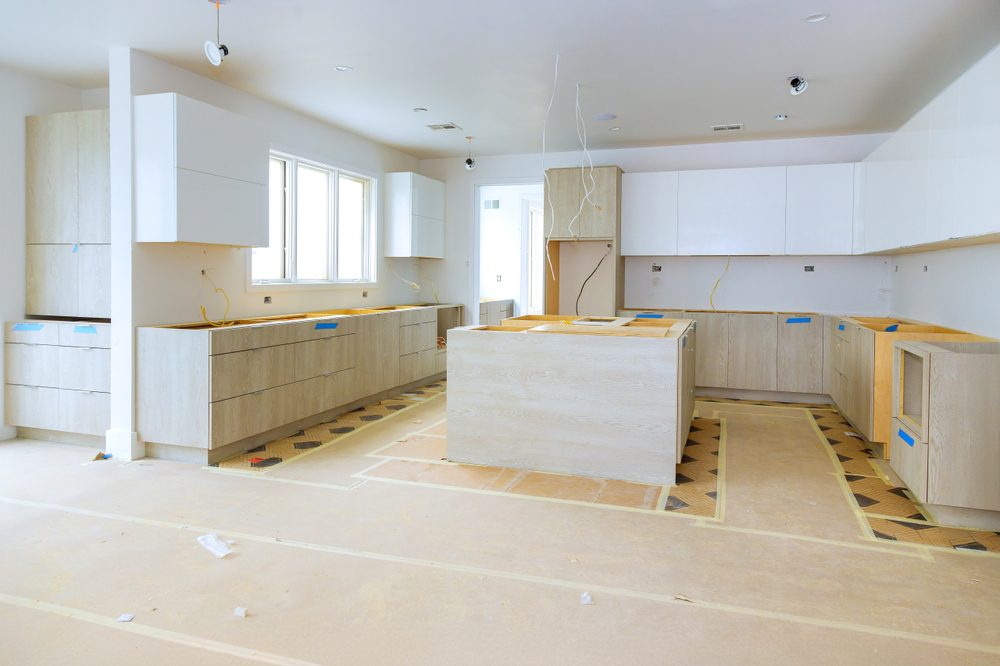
<point x="669" y="333"/>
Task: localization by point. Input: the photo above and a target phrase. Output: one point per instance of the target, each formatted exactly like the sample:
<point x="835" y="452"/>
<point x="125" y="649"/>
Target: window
<point x="320" y="226"/>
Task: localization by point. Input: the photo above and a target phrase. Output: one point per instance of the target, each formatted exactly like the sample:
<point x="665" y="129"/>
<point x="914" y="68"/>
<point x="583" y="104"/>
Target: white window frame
<point x="369" y="264"/>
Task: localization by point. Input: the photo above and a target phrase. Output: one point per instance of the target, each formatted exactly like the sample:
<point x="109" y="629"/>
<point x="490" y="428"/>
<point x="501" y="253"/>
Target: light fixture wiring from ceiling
<point x="216" y="51"/>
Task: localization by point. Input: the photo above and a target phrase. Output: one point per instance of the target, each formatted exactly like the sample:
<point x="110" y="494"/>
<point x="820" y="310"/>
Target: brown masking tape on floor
<point x="267" y="456"/>
<point x="421" y="459"/>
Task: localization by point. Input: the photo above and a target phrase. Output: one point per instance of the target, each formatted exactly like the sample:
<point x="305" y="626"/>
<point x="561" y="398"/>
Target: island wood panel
<point x="712" y="352"/>
<point x="753" y="350"/>
<point x="800" y="353"/>
<point x="685" y="403"/>
<point x="575" y="404"/>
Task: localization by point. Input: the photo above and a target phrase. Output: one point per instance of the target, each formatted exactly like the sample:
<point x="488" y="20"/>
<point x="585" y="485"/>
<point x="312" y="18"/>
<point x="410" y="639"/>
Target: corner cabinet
<point x="201" y="174"/>
<point x="415" y="208"/>
<point x="68" y="230"/>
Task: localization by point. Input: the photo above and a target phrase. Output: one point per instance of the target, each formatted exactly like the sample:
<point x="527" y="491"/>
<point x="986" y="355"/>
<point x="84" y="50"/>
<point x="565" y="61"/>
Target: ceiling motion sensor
<point x="470" y="162"/>
<point x="798" y="84"/>
<point x="216" y="51"/>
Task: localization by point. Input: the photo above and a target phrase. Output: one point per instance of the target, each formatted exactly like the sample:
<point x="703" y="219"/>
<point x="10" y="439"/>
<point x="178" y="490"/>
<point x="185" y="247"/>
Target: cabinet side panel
<point x="172" y="382"/>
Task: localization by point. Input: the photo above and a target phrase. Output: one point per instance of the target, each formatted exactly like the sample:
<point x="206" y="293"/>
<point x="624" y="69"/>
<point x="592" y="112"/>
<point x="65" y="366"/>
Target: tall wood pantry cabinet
<point x="68" y="230"/>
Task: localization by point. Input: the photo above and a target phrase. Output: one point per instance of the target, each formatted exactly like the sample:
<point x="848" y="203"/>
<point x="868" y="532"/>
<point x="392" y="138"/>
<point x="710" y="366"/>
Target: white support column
<point x="121" y="440"/>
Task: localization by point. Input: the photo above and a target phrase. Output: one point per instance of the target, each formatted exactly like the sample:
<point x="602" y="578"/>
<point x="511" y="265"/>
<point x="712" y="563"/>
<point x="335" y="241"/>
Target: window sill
<point x="309" y="286"/>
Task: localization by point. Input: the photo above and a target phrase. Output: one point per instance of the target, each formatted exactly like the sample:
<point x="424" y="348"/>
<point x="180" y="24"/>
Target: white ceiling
<point x="668" y="68"/>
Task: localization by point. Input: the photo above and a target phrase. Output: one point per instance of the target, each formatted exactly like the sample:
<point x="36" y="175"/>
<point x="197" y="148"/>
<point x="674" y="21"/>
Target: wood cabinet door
<point x="800" y="353"/>
<point x="861" y="368"/>
<point x="377" y="348"/>
<point x="94" y="176"/>
<point x="52" y="280"/>
<point x="909" y="459"/>
<point x="598" y="218"/>
<point x="712" y="350"/>
<point x="51" y="189"/>
<point x="753" y="350"/>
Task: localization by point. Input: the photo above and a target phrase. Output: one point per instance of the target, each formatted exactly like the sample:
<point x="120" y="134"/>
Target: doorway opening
<point x="511" y="278"/>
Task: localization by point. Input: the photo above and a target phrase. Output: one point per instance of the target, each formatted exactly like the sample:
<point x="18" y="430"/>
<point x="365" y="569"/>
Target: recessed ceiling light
<point x="344" y="68"/>
<point x="615" y="129"/>
<point x="781" y="116"/>
<point x="604" y="116"/>
<point x="419" y="109"/>
<point x="817" y="18"/>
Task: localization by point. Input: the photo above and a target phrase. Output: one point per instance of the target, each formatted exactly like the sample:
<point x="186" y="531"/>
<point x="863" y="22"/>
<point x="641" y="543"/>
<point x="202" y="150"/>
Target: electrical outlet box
<point x="657" y="268"/>
<point x="810" y="269"/>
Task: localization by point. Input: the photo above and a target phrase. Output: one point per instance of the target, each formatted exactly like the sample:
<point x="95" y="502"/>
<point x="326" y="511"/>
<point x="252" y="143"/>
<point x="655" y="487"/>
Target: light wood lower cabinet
<point x="800" y="353"/>
<point x="491" y="313"/>
<point x="854" y="362"/>
<point x="712" y="354"/>
<point x="753" y="352"/>
<point x="58" y="376"/>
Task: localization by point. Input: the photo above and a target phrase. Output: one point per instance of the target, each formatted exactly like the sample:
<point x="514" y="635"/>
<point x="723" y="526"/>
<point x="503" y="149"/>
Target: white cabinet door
<point x="819" y="213"/>
<point x="428" y="197"/>
<point x="414" y="219"/>
<point x="216" y="141"/>
<point x="223" y="211"/>
<point x="428" y="237"/>
<point x="649" y="214"/>
<point x="978" y="149"/>
<point x="731" y="211"/>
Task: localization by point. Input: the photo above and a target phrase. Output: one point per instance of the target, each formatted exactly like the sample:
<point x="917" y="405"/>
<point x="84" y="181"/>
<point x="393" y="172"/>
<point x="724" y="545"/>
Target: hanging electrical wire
<point x="548" y="190"/>
<point x="581" y="134"/>
<point x="601" y="261"/>
<point x="218" y="290"/>
<point x="711" y="296"/>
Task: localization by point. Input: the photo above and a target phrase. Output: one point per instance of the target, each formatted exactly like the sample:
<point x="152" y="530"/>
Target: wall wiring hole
<point x="925" y="269"/>
<point x="267" y="299"/>
<point x="364" y="294"/>
<point x="897" y="268"/>
<point x="657" y="268"/>
<point x="810" y="269"/>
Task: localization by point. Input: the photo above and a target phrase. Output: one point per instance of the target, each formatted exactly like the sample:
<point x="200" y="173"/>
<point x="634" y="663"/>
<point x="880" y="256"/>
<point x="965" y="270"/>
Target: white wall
<point x="500" y="239"/>
<point x="454" y="274"/>
<point x="960" y="289"/>
<point x="23" y="95"/>
<point x="841" y="285"/>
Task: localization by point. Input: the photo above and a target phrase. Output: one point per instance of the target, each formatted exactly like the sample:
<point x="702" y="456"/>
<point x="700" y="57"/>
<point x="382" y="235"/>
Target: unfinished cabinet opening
<point x="911" y="387"/>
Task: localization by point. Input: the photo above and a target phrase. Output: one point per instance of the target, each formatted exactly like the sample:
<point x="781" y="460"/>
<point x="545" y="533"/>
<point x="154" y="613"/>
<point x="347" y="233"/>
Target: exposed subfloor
<point x="336" y="565"/>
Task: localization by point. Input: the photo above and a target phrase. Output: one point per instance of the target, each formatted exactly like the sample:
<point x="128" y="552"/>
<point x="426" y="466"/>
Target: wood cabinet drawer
<point x="31" y="406"/>
<point x="87" y="412"/>
<point x="418" y="337"/>
<point x="279" y="333"/>
<point x="909" y="459"/>
<point x="85" y="335"/>
<point x="413" y="367"/>
<point x="85" y="369"/>
<point x="32" y="365"/>
<point x="339" y="388"/>
<point x="240" y="373"/>
<point x="417" y="316"/>
<point x="246" y="415"/>
<point x="32" y="332"/>
<point x="321" y="357"/>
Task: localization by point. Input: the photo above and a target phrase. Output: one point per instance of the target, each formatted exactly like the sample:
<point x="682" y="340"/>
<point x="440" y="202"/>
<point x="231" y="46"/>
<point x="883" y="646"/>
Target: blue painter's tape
<point x="798" y="320"/>
<point x="325" y="325"/>
<point x="905" y="437"/>
<point x="648" y="315"/>
<point x="92" y="330"/>
<point x="28" y="327"/>
<point x="840" y="327"/>
<point x="890" y="329"/>
<point x="76" y="248"/>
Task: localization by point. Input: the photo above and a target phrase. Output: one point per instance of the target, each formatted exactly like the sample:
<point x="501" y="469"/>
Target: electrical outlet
<point x="364" y="294"/>
<point x="925" y="269"/>
<point x="267" y="299"/>
<point x="657" y="268"/>
<point x="810" y="269"/>
<point x="499" y="278"/>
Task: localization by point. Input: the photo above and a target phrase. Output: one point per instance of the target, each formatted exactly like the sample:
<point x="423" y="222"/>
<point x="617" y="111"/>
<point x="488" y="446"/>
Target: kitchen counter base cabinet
<point x="591" y="405"/>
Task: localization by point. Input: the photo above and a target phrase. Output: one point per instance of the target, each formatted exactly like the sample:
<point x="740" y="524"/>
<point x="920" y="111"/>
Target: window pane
<point x="313" y="223"/>
<point x="351" y="229"/>
<point x="268" y="263"/>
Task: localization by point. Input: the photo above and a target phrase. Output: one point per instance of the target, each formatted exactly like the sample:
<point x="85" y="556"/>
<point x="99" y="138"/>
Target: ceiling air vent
<point x="733" y="127"/>
<point x="440" y="127"/>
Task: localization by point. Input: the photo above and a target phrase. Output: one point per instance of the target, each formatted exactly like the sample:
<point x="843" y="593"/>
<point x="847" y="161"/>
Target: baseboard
<point x="91" y="441"/>
<point x="776" y="396"/>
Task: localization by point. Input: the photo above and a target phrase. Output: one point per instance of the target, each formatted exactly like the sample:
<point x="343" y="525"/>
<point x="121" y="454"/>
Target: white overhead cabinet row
<point x="415" y="216"/>
<point x="753" y="211"/>
<point x="938" y="177"/>
<point x="201" y="174"/>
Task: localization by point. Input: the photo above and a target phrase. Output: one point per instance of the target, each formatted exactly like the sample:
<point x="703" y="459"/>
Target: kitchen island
<point x="608" y="397"/>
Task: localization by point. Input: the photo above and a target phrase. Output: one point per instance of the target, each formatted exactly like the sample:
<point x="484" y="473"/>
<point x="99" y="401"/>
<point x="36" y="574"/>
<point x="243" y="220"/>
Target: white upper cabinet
<point x="731" y="211"/>
<point x="649" y="213"/>
<point x="201" y="174"/>
<point x="819" y="213"/>
<point x="414" y="219"/>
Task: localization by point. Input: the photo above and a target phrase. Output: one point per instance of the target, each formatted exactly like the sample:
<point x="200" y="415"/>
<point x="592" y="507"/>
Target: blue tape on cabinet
<point x="798" y="320"/>
<point x="324" y="325"/>
<point x="890" y="329"/>
<point x="648" y="315"/>
<point x="92" y="330"/>
<point x="28" y="327"/>
<point x="905" y="437"/>
<point x="840" y="327"/>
